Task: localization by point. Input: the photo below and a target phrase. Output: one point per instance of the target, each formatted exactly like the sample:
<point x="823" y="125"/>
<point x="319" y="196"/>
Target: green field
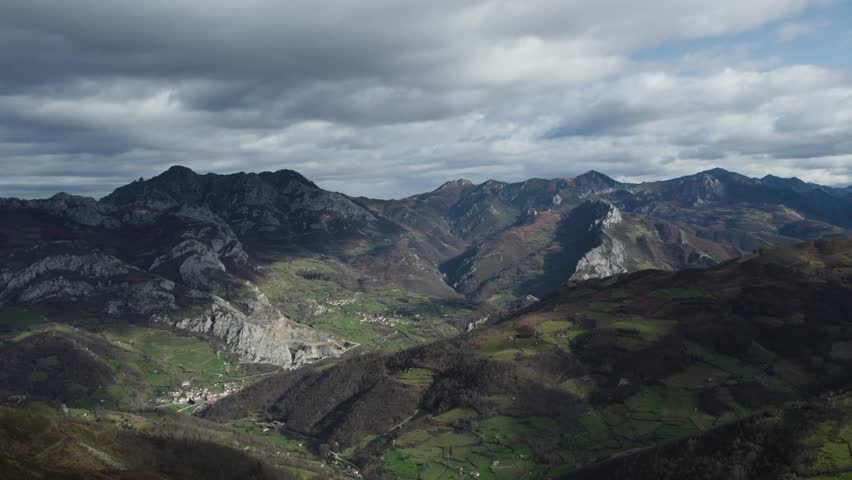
<point x="326" y="295"/>
<point x="166" y="358"/>
<point x="416" y="376"/>
<point x="494" y="448"/>
<point x="145" y="363"/>
<point x="666" y="410"/>
<point x="44" y="435"/>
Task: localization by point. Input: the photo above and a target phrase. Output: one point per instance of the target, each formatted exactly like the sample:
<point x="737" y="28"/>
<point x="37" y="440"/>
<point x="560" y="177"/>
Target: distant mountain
<point x="801" y="186"/>
<point x="230" y="244"/>
<point x="603" y="367"/>
<point x="171" y="264"/>
<point x="593" y="182"/>
<point x="283" y="202"/>
<point x="794" y="183"/>
<point x="692" y="221"/>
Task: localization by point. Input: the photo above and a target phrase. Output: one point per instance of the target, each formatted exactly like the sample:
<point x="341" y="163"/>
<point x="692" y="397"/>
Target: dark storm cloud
<point x="389" y="98"/>
<point x="54" y="41"/>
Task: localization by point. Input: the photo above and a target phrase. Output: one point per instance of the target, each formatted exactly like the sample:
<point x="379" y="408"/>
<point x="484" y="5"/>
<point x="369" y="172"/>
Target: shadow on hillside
<point x="575" y="236"/>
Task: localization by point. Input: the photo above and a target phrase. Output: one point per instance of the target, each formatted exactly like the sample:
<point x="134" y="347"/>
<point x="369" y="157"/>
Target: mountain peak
<point x="720" y="175"/>
<point x="180" y="169"/>
<point x="800" y="186"/>
<point x="717" y="172"/>
<point x="596" y="182"/>
<point x="459" y="182"/>
<point x="285" y="176"/>
<point x="177" y="173"/>
<point x="491" y="183"/>
<point x="63" y="196"/>
<point x="594" y="173"/>
<point x="776" y="179"/>
<point x="182" y="185"/>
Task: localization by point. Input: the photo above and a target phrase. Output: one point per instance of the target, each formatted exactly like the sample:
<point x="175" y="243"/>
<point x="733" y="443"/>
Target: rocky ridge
<point x="608" y="258"/>
<point x="177" y="247"/>
<point x="186" y="279"/>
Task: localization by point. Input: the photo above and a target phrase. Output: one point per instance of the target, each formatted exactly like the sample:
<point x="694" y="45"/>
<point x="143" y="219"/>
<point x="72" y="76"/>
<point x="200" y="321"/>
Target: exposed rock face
<point x="602" y="261"/>
<point x="608" y="258"/>
<point x="154" y="295"/>
<point x="57" y="288"/>
<point x="476" y="323"/>
<point x="95" y="280"/>
<point x="80" y="210"/>
<point x="93" y="265"/>
<point x="225" y="322"/>
<point x="282" y="202"/>
<point x="168" y="261"/>
<point x="60" y="276"/>
<point x="279" y="342"/>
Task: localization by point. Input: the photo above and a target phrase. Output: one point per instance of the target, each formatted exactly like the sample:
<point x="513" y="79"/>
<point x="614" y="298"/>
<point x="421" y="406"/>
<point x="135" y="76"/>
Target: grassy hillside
<point x="331" y="296"/>
<point x="597" y="370"/>
<point x="41" y="441"/>
<point x="119" y="366"/>
<point x="802" y="440"/>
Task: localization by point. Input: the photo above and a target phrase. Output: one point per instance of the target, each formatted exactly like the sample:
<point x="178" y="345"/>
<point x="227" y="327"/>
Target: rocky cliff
<point x="283" y="202"/>
<point x="180" y="266"/>
<point x="608" y="258"/>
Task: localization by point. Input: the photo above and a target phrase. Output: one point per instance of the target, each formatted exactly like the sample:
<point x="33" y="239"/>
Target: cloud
<point x="792" y="30"/>
<point x="386" y="98"/>
<point x="753" y="122"/>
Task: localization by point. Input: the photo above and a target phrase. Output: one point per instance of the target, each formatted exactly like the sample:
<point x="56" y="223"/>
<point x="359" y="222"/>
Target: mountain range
<point x="511" y="330"/>
<point x="190" y="250"/>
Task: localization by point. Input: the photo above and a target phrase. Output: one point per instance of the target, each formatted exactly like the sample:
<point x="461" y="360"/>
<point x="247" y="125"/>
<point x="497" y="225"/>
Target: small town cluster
<point x="379" y="319"/>
<point x="187" y="394"/>
<point x="342" y="302"/>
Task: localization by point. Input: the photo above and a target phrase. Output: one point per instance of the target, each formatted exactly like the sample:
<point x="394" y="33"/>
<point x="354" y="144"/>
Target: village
<point x="342" y="302"/>
<point x="187" y="394"/>
<point x="391" y="319"/>
<point x="379" y="319"/>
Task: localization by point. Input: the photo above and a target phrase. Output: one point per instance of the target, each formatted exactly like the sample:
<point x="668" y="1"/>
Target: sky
<point x="387" y="98"/>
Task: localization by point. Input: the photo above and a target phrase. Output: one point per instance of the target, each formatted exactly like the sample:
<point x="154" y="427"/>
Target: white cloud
<point x="387" y="98"/>
<point x="792" y="30"/>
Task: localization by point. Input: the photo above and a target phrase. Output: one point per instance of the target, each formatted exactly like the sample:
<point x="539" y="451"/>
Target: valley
<point x="456" y="240"/>
<point x="602" y="368"/>
<point x="325" y="294"/>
